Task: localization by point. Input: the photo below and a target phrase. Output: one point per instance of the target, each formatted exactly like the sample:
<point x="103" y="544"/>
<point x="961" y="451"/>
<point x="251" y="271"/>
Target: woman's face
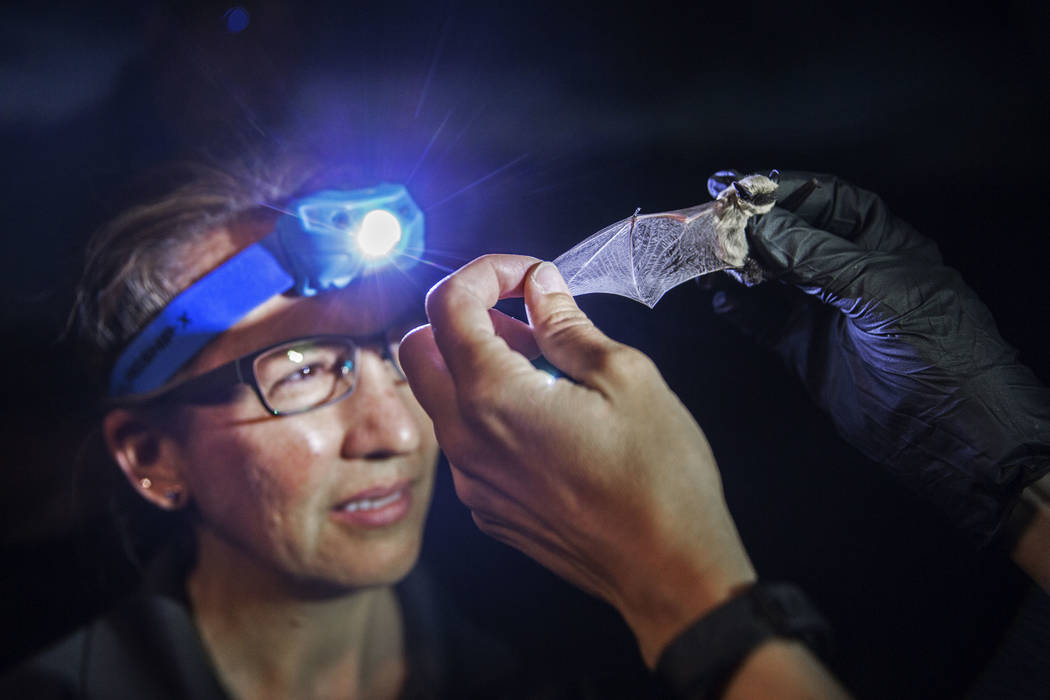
<point x="336" y="496"/>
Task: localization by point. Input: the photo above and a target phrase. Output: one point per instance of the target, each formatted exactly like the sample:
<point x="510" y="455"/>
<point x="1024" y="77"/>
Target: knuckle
<point x="494" y="528"/>
<point x="623" y="364"/>
<point x="483" y="521"/>
<point x="467" y="495"/>
<point x="467" y="490"/>
<point x="565" y="323"/>
<point x="480" y="520"/>
<point x="448" y="293"/>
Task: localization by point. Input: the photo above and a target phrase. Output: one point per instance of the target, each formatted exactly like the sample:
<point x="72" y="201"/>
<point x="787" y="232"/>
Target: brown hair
<point x="135" y="264"/>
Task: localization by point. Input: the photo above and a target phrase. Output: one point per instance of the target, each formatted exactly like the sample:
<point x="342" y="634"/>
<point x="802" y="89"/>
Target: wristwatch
<point x="702" y="659"/>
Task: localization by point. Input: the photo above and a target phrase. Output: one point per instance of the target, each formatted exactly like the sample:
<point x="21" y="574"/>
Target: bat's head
<point x="754" y="194"/>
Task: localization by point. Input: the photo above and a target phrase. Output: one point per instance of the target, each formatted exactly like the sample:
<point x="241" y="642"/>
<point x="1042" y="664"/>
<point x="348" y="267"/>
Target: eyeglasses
<point x="291" y="377"/>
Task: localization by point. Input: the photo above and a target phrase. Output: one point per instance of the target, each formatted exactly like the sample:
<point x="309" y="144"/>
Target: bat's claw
<point x="750" y="274"/>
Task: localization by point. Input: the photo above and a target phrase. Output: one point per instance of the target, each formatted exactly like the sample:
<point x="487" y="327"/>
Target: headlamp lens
<point x="380" y="233"/>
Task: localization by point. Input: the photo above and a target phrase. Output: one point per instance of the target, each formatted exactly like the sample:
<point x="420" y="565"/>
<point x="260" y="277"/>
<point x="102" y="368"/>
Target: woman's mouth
<point x="376" y="507"/>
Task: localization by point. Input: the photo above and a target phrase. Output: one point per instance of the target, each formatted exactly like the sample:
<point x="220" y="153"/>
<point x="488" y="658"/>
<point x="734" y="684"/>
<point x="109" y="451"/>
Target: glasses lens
<point x="305" y="374"/>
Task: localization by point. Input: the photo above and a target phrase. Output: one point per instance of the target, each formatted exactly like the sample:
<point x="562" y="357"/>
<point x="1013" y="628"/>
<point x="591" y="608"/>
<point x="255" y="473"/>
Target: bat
<point x="643" y="257"/>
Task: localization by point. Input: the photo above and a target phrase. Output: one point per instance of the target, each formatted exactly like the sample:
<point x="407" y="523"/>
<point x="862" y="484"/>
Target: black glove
<point x="895" y="347"/>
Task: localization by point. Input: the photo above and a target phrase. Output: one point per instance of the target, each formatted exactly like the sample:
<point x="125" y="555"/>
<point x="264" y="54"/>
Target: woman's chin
<point x="386" y="567"/>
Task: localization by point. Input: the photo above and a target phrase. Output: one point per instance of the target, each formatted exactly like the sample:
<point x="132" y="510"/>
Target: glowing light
<point x="295" y="356"/>
<point x="380" y="232"/>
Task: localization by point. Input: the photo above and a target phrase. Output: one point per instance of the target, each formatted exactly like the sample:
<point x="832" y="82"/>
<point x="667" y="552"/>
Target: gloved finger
<point x="794" y="325"/>
<point x="837" y="206"/>
<point x="838" y="270"/>
<point x="829" y="203"/>
<point x="765" y="312"/>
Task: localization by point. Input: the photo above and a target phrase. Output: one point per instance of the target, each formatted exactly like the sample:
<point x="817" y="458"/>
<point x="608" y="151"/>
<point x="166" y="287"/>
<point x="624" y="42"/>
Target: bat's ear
<point x="742" y="191"/>
<point x="721" y="181"/>
<point x="774" y="175"/>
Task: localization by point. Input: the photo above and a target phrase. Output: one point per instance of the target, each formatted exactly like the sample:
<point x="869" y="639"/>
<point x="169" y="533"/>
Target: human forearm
<point x="659" y="608"/>
<point x="1031" y="551"/>
<point x="782" y="669"/>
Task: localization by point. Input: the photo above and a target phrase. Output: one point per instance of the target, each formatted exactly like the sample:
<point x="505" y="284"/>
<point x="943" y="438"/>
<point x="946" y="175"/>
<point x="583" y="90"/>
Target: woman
<point x="305" y="486"/>
<point x="278" y="420"/>
<point x="255" y="393"/>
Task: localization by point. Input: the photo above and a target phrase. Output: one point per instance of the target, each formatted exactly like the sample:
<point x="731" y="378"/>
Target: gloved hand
<point x="895" y="347"/>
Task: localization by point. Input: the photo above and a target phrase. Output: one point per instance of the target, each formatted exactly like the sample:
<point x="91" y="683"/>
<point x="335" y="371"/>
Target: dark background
<point x="523" y="128"/>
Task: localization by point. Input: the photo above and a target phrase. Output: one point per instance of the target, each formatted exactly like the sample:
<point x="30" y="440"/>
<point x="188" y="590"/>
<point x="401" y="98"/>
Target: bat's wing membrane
<point x="602" y="262"/>
<point x="642" y="257"/>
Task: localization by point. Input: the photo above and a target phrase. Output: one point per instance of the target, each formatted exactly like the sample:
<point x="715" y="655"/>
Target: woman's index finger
<point x="458" y="309"/>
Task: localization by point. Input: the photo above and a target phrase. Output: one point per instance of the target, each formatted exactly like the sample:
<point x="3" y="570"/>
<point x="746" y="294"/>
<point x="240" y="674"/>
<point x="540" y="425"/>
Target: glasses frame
<point x="242" y="371"/>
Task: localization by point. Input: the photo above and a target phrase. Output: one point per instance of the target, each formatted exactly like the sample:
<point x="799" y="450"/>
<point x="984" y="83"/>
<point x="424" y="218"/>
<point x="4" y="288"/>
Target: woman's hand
<point x="606" y="480"/>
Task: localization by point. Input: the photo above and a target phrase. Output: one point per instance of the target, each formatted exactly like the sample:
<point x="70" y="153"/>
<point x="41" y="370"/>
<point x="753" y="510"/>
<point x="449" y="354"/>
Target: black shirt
<point x="149" y="647"/>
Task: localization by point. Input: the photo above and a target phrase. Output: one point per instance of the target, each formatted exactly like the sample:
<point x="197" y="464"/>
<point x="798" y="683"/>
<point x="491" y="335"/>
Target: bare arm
<point x="784" y="670"/>
<point x="1031" y="552"/>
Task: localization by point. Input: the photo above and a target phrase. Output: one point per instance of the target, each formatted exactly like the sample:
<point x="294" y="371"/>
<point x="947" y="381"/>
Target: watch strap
<point x="701" y="660"/>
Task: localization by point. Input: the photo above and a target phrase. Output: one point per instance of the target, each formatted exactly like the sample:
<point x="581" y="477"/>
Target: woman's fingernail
<point x="547" y="278"/>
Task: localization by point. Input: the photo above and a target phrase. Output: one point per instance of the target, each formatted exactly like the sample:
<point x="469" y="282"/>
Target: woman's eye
<point x="302" y="374"/>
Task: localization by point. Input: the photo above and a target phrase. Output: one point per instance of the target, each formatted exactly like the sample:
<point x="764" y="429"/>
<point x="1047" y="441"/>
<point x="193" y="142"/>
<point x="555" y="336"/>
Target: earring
<point x="145" y="483"/>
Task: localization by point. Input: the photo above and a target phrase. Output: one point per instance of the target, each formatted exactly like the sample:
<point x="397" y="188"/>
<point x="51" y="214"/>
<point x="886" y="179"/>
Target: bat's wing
<point x="642" y="257"/>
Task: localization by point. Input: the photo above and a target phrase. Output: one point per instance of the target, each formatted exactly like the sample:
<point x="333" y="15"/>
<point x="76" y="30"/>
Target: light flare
<point x="380" y="233"/>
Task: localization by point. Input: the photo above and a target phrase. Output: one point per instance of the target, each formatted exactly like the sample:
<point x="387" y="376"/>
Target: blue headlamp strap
<point x="207" y="308"/>
<point x="331" y="238"/>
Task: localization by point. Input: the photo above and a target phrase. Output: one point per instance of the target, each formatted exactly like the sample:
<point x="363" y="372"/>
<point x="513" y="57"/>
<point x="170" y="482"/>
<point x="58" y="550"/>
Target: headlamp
<point x="347" y="234"/>
<point x="328" y="240"/>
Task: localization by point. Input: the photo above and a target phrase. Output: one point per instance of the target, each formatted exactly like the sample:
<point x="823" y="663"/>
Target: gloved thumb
<point x="765" y="312"/>
<point x="565" y="335"/>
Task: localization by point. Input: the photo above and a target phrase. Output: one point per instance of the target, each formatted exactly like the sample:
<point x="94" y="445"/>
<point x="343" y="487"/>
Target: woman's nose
<point x="380" y="421"/>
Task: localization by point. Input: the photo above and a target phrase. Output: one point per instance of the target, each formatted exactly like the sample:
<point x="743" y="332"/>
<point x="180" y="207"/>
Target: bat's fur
<point x="734" y="206"/>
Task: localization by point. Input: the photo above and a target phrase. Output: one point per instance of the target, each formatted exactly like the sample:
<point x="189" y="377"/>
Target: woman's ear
<point x="147" y="457"/>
